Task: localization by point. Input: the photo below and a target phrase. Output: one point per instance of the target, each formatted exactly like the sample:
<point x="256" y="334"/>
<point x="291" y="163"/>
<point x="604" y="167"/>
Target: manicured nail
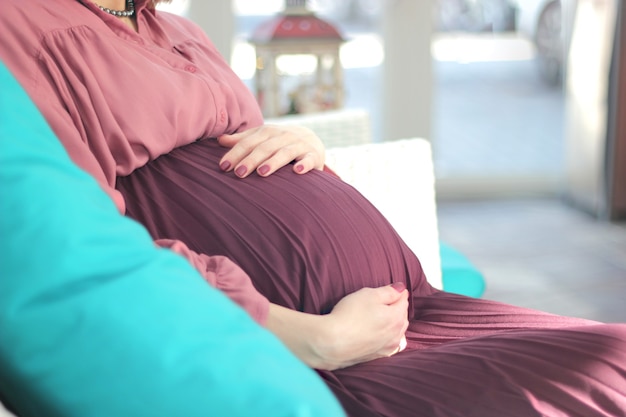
<point x="264" y="169"/>
<point x="225" y="165"/>
<point x="399" y="286"/>
<point x="241" y="171"/>
<point x="299" y="168"/>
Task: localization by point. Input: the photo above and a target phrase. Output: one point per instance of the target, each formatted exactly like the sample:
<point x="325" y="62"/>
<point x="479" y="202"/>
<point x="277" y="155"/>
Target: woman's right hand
<point x="367" y="324"/>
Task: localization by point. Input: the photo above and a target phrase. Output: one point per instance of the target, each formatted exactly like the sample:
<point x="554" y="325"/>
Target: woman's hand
<point x="365" y="325"/>
<point x="269" y="147"/>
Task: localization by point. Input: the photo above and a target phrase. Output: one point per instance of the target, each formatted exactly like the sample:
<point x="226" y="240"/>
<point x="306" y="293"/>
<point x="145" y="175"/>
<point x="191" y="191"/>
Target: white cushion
<point x="398" y="178"/>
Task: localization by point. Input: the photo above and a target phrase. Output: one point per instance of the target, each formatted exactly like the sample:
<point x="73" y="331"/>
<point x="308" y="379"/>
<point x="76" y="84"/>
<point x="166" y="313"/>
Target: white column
<point x="407" y="71"/>
<point x="217" y="19"/>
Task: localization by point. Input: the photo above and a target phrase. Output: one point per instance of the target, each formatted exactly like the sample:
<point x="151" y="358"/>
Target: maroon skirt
<point x="308" y="240"/>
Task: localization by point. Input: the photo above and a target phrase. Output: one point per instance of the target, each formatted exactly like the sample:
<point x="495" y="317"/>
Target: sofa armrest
<point x="398" y="178"/>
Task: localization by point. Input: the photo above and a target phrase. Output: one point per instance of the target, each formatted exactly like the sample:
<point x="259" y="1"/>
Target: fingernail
<point x="241" y="171"/>
<point x="225" y="165"/>
<point x="264" y="169"/>
<point x="299" y="168"/>
<point x="399" y="286"/>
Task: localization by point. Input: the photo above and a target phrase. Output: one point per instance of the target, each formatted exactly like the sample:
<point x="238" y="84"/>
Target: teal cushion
<point x="458" y="274"/>
<point x="96" y="321"/>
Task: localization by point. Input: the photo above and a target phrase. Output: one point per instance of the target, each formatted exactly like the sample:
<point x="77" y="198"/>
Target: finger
<point x="256" y="148"/>
<point x="265" y="153"/>
<point x="230" y="140"/>
<point x="398" y="315"/>
<point x="391" y="294"/>
<point x="305" y="163"/>
<point x="234" y="158"/>
<point x="401" y="306"/>
<point x="279" y="151"/>
<point x="400" y="311"/>
<point x="281" y="156"/>
<point x="241" y="144"/>
<point x="270" y="156"/>
<point x="249" y="138"/>
<point x="311" y="152"/>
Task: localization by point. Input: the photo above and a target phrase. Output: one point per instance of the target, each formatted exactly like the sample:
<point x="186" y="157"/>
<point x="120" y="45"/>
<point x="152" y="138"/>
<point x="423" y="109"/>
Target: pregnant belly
<point x="305" y="240"/>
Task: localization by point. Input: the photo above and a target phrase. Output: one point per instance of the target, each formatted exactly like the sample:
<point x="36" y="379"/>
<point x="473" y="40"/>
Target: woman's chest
<point x="144" y="99"/>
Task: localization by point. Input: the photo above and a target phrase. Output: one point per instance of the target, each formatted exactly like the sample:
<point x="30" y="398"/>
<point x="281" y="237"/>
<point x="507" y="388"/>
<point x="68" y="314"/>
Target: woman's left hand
<point x="270" y="147"/>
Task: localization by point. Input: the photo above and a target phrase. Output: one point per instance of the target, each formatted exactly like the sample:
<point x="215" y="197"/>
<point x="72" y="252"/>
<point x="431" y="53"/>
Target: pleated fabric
<point x="308" y="240"/>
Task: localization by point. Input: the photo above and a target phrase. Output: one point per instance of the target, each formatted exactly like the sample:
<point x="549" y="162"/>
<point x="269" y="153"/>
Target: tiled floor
<point x="542" y="254"/>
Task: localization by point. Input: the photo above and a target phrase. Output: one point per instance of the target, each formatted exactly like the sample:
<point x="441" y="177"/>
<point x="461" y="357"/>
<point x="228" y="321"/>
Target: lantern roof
<point x="295" y="23"/>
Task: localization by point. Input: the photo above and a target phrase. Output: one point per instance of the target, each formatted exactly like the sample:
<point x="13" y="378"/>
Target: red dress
<point x="307" y="241"/>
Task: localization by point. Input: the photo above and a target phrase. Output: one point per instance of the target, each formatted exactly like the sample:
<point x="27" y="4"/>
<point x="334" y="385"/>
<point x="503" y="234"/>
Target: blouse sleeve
<point x="226" y="276"/>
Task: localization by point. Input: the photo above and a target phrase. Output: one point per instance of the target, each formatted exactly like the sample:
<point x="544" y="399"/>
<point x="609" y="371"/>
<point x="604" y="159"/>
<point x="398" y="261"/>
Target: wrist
<point x="325" y="342"/>
<point x="310" y="337"/>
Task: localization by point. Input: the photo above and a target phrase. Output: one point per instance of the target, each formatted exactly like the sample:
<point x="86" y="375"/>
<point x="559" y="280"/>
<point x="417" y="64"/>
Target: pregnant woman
<point x="143" y="102"/>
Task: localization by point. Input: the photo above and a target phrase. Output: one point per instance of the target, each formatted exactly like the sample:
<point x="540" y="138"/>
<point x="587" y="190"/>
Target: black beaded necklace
<point x="128" y="12"/>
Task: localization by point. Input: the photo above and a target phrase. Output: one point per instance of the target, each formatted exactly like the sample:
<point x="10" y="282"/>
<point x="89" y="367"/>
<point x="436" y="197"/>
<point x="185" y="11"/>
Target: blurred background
<point x="524" y="103"/>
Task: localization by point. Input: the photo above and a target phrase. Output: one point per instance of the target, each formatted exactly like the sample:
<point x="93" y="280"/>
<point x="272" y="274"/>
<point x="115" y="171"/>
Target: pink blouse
<point x="118" y="98"/>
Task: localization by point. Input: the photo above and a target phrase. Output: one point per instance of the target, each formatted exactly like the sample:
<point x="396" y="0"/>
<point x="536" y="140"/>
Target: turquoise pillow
<point x="97" y="321"/>
<point x="458" y="274"/>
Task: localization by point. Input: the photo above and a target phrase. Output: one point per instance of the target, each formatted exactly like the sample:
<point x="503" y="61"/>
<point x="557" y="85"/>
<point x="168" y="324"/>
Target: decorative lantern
<point x="297" y="35"/>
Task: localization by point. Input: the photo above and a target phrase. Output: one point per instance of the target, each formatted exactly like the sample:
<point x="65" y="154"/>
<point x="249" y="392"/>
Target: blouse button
<point x="190" y="68"/>
<point x="222" y="116"/>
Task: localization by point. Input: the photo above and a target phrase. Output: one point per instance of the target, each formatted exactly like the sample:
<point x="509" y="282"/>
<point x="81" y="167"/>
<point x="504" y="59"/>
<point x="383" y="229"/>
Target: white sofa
<point x="396" y="176"/>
